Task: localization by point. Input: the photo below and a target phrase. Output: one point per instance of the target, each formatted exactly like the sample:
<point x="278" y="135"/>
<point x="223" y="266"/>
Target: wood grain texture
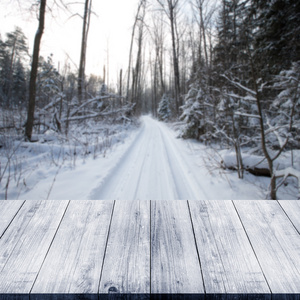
<point x="175" y="265"/>
<point x="74" y="262"/>
<point x="292" y="209"/>
<point x="229" y="265"/>
<point x="127" y="261"/>
<point x="25" y="244"/>
<point x="8" y="210"/>
<point x="275" y="242"/>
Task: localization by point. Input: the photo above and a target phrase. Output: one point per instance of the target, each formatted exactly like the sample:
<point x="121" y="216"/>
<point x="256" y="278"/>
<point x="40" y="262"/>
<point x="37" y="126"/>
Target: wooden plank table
<point x="150" y="249"/>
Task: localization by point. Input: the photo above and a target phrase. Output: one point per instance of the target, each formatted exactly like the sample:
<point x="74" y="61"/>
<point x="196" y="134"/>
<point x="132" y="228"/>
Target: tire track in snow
<point x="153" y="168"/>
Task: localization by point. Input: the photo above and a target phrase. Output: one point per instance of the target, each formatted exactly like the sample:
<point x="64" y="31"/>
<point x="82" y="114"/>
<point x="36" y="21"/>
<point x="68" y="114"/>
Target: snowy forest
<point x="223" y="75"/>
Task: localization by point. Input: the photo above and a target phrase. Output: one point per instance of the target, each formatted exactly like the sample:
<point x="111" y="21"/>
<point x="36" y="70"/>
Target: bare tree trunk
<point x="200" y="3"/>
<point x="104" y="74"/>
<point x="175" y="57"/>
<point x="85" y="30"/>
<point x="170" y="11"/>
<point x="262" y="132"/>
<point x="34" y="70"/>
<point x="121" y="80"/>
<point x="131" y="46"/>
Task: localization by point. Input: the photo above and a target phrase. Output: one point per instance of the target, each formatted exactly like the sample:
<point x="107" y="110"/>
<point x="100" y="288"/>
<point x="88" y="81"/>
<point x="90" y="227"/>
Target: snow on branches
<point x="164" y="111"/>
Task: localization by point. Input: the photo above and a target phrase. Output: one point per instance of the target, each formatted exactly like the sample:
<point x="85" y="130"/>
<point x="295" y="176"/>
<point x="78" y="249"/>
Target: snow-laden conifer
<point x="164" y="111"/>
<point x="191" y="114"/>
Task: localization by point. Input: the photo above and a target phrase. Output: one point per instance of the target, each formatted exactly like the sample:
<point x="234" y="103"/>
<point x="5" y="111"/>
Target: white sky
<point x="110" y="29"/>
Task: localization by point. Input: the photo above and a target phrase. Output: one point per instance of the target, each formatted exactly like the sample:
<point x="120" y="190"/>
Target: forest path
<point x="153" y="168"/>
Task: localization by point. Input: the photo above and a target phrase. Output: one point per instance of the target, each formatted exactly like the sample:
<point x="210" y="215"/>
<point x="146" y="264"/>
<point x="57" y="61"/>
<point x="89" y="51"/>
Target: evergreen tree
<point x="4" y="70"/>
<point x="198" y="112"/>
<point x="164" y="111"/>
<point x="16" y="47"/>
<point x="277" y="42"/>
<point x="191" y="115"/>
<point x="48" y="81"/>
<point x="231" y="34"/>
<point x="19" y="92"/>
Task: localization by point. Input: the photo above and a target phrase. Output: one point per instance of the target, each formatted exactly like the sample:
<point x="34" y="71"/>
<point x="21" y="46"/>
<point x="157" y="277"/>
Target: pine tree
<point x="48" y="80"/>
<point x="192" y="115"/>
<point x="19" y="92"/>
<point x="4" y="70"/>
<point x="277" y="40"/>
<point x="164" y="111"/>
<point x="12" y="53"/>
<point x="16" y="47"/>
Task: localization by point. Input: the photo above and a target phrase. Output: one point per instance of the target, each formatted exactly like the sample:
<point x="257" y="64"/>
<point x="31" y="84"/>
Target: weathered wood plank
<point x="126" y="267"/>
<point x="74" y="262"/>
<point x="275" y="241"/>
<point x="175" y="265"/>
<point x="8" y="210"/>
<point x="229" y="265"/>
<point x="292" y="209"/>
<point x="25" y="244"/>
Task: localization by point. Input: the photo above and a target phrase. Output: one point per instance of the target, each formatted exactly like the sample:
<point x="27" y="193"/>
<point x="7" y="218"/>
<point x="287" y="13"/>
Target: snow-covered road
<point x="154" y="167"/>
<point x="147" y="164"/>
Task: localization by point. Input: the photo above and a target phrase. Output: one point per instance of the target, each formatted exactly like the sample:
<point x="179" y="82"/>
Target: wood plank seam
<point x="12" y="220"/>
<point x="198" y="254"/>
<point x="288" y="216"/>
<point x="16" y="243"/>
<point x="63" y="216"/>
<point x="111" y="217"/>
<point x="252" y="247"/>
<point x="219" y="252"/>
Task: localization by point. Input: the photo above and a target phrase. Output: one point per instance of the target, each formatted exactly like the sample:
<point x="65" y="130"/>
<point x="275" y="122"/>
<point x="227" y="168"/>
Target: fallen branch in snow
<point x="259" y="171"/>
<point x="101" y="114"/>
<point x="255" y="165"/>
<point x="252" y="170"/>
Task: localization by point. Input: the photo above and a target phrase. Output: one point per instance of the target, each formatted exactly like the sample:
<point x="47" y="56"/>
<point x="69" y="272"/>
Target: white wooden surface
<point x="228" y="262"/>
<point x="83" y="249"/>
<point x="8" y="210"/>
<point x="26" y="242"/>
<point x="275" y="242"/>
<point x="292" y="209"/>
<point x="175" y="265"/>
<point x="127" y="260"/>
<point x="74" y="262"/>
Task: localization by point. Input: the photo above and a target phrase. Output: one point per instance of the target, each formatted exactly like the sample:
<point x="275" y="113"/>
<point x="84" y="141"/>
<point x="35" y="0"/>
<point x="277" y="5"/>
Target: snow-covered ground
<point x="145" y="163"/>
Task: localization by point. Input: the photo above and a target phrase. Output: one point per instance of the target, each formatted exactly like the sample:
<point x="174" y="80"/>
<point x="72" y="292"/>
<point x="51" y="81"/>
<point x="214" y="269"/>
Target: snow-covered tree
<point x="164" y="111"/>
<point x="198" y="114"/>
<point x="191" y="115"/>
<point x="48" y="81"/>
<point x="287" y="106"/>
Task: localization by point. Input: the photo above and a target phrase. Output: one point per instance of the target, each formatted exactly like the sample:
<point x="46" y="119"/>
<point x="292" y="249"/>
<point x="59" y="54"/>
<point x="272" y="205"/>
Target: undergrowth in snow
<point x="79" y="165"/>
<point x="220" y="162"/>
<point x="31" y="170"/>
